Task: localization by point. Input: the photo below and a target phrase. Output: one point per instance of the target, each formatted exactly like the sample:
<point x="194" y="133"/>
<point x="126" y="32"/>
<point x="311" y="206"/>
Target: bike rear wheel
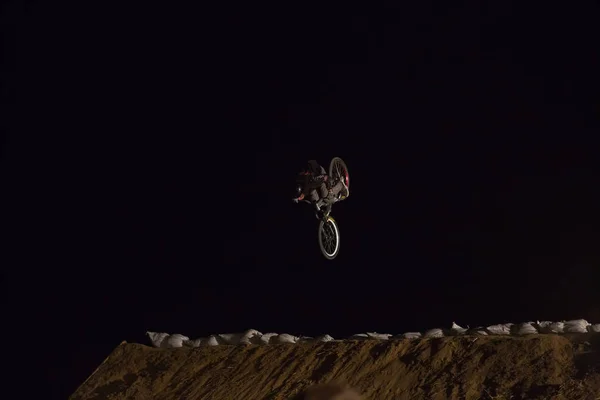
<point x="339" y="171"/>
<point x="329" y="238"/>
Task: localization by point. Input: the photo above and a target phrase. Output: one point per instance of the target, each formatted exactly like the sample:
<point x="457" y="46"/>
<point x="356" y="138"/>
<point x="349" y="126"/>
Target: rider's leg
<point x="315" y="199"/>
<point x="321" y="195"/>
<point x="323" y="191"/>
<point x="323" y="205"/>
<point x="340" y="187"/>
<point x="336" y="188"/>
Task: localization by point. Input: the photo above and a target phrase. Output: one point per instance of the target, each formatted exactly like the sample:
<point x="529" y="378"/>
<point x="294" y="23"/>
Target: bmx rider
<point x="314" y="187"/>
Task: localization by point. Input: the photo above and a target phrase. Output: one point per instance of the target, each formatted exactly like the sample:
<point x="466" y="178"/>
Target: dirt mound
<point x="534" y="367"/>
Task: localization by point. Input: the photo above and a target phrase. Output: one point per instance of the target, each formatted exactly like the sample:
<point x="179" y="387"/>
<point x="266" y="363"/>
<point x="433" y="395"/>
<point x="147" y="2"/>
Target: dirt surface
<point x="534" y="367"/>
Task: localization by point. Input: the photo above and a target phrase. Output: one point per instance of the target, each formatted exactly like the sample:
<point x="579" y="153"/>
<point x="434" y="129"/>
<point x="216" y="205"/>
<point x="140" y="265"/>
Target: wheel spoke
<point x="329" y="238"/>
<point x="330" y="246"/>
<point x="340" y="172"/>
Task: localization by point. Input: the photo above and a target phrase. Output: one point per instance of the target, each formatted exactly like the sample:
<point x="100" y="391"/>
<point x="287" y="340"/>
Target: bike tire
<point x="330" y="255"/>
<point x="333" y="173"/>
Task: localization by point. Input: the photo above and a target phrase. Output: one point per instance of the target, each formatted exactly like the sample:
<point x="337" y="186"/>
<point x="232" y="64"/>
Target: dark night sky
<point x="150" y="160"/>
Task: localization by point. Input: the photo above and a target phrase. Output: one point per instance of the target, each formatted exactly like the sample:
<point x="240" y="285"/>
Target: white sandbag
<point x="434" y="333"/>
<point x="576" y="326"/>
<point x="284" y="338"/>
<point x="194" y="343"/>
<point x="524" y="328"/>
<point x="456" y="330"/>
<point x="499" y="329"/>
<point x="156" y="338"/>
<point x="251" y="336"/>
<point x="246" y="337"/>
<point x="543" y="326"/>
<point x="212" y="340"/>
<point x="595" y="328"/>
<point x="266" y="338"/>
<point x="359" y="336"/>
<point x="378" y="336"/>
<point x="408" y="335"/>
<point x="478" y="331"/>
<point x="556" y="327"/>
<point x="173" y="341"/>
<point x="228" y="338"/>
<point x="324" y="338"/>
<point x="304" y="339"/>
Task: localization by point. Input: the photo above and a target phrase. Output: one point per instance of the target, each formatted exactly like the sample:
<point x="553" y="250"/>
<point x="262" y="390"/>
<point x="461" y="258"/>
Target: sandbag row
<point x="252" y="336"/>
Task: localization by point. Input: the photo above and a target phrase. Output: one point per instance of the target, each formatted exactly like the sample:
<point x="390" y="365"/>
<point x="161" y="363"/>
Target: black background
<point x="151" y="150"/>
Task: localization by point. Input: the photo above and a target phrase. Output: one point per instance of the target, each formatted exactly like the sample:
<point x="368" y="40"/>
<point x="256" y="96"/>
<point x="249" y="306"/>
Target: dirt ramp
<point x="332" y="391"/>
<point x="535" y="367"/>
